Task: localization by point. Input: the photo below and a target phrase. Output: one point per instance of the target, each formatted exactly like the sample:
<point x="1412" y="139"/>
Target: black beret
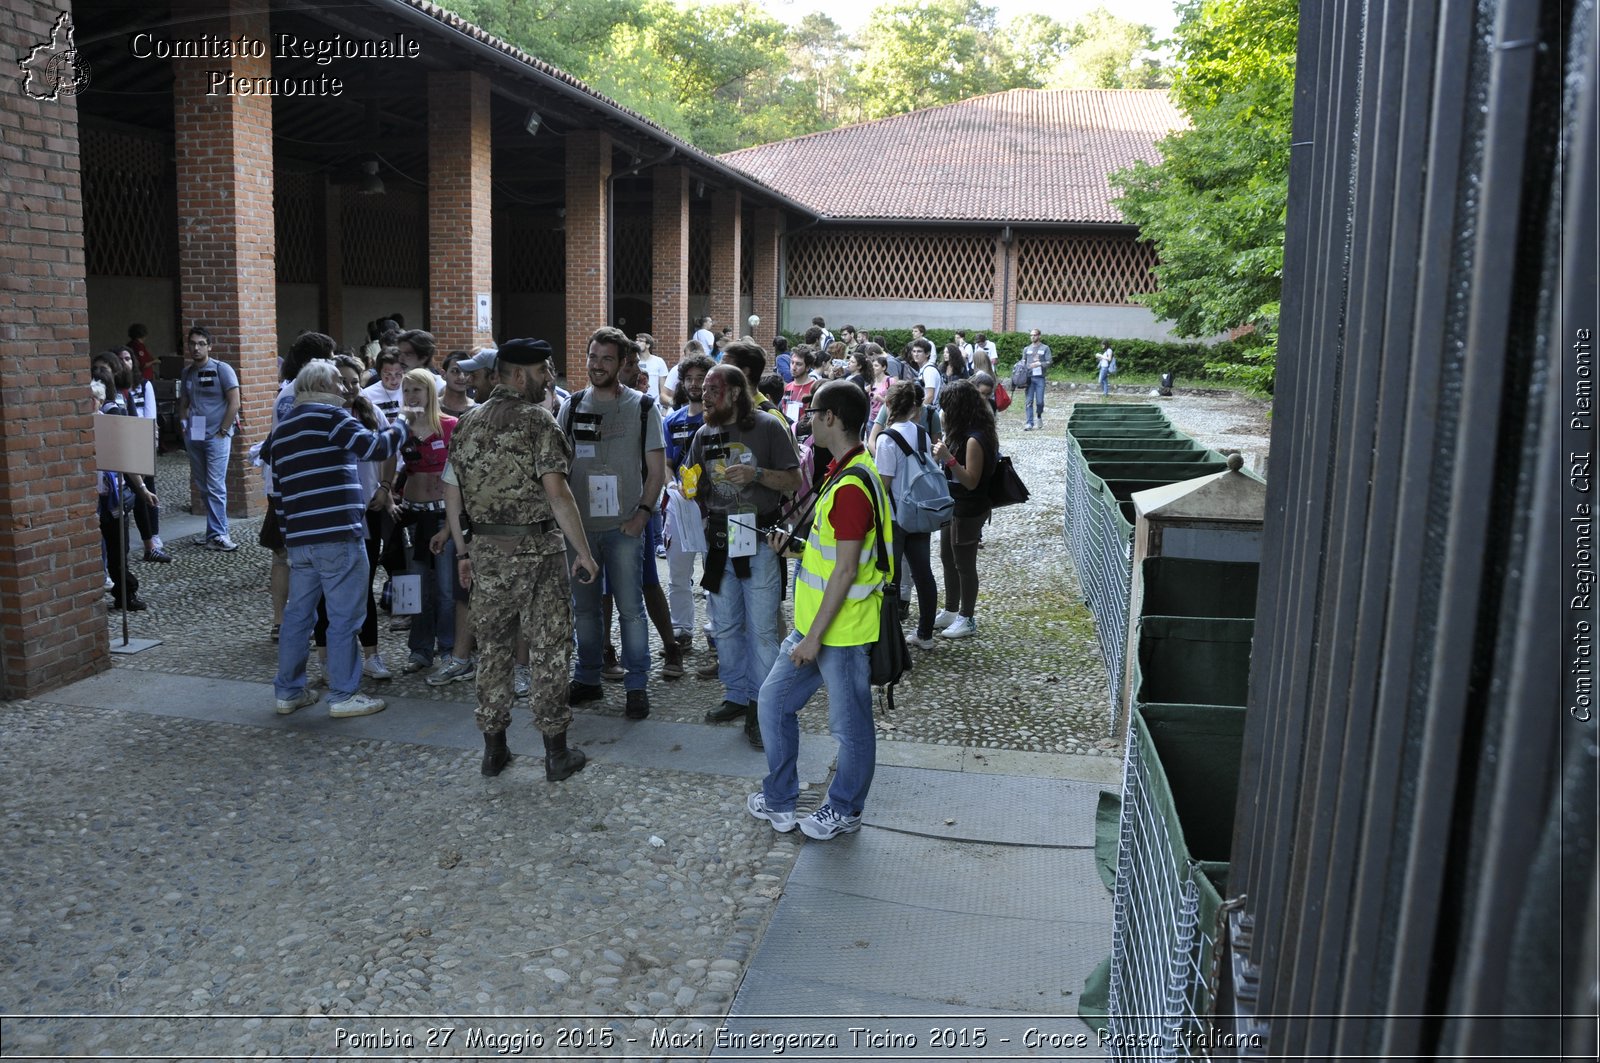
<point x="525" y="352"/>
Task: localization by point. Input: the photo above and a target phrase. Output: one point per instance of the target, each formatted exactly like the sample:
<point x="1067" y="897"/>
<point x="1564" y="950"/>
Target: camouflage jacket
<point x="500" y="452"/>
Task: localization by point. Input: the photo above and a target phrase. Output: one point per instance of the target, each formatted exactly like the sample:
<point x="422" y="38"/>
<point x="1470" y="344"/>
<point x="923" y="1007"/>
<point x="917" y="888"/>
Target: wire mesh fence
<point x="1100" y="539"/>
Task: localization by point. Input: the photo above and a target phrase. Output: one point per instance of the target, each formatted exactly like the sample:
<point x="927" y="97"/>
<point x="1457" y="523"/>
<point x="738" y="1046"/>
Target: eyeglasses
<point x="813" y="412"/>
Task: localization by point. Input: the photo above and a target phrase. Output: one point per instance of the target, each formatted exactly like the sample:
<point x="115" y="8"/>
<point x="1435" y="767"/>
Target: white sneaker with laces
<point x="826" y="823"/>
<point x="945" y="619"/>
<point x="374" y="668"/>
<point x="357" y="704"/>
<point x="921" y="644"/>
<point x="222" y="544"/>
<point x="756" y="805"/>
<point x="309" y="696"/>
<point x="964" y="628"/>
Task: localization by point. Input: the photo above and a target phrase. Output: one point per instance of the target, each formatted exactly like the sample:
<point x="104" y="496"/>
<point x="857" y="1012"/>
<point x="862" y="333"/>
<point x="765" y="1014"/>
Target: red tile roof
<point x="1027" y="155"/>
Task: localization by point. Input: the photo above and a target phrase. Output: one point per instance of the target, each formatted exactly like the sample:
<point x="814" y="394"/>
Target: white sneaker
<point x="921" y="644"/>
<point x="355" y="705"/>
<point x="374" y="668"/>
<point x="964" y="628"/>
<point x="782" y="822"/>
<point x="945" y="619"/>
<point x="309" y="696"/>
<point x="222" y="544"/>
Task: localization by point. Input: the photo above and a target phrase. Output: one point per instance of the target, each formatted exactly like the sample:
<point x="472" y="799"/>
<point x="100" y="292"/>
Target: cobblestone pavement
<point x="161" y="866"/>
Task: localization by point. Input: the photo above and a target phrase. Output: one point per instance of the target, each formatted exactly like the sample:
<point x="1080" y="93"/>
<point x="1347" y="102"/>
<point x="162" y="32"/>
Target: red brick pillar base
<point x="52" y="620"/>
<point x="460" y="240"/>
<point x="226" y="242"/>
<point x="588" y="260"/>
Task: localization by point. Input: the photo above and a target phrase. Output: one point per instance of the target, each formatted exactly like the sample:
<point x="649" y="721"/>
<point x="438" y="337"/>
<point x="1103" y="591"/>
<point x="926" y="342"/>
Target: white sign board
<point x="125" y="444"/>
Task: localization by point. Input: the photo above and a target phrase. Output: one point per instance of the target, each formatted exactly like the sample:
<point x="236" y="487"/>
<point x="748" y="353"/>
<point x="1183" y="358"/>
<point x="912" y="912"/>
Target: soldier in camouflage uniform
<point x="508" y="463"/>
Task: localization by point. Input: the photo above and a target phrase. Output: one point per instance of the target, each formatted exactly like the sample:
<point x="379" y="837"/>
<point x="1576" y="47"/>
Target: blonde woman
<point x="421" y="509"/>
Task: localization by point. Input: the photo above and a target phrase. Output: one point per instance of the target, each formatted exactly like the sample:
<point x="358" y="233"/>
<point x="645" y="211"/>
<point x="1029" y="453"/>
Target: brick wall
<point x="765" y="248"/>
<point x="727" y="216"/>
<point x="226" y="266"/>
<point x="52" y="616"/>
<point x="588" y="224"/>
<point x="669" y="268"/>
<point x="460" y="226"/>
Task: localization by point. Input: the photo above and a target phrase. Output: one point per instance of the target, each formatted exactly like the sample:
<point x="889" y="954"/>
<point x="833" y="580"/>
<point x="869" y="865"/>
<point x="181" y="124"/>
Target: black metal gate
<point x="1415" y="838"/>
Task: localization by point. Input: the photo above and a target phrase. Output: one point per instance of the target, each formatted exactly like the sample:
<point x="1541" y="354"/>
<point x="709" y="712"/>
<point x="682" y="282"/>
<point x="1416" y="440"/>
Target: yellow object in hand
<point x="691" y="481"/>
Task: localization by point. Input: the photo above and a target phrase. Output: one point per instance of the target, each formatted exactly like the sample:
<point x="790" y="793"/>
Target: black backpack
<point x="645" y="403"/>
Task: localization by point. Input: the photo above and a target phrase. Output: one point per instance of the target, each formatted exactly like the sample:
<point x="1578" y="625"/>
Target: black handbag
<point x="1005" y="486"/>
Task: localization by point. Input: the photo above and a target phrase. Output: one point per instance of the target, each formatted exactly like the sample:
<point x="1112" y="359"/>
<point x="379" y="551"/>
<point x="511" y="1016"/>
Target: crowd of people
<point x="527" y="518"/>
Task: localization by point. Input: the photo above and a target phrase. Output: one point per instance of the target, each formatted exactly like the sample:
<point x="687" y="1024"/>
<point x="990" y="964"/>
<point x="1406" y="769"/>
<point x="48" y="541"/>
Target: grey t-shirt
<point x="766" y="445"/>
<point x="606" y="452"/>
<point x="206" y="388"/>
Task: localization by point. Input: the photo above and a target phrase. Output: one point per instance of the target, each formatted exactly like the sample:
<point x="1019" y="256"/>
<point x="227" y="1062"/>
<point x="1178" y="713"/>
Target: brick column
<point x="764" y="294"/>
<point x="669" y="261"/>
<point x="226" y="245"/>
<point x="332" y="302"/>
<point x="52" y="622"/>
<point x="588" y="229"/>
<point x="460" y="228"/>
<point x="727" y="218"/>
<point x="1004" y="315"/>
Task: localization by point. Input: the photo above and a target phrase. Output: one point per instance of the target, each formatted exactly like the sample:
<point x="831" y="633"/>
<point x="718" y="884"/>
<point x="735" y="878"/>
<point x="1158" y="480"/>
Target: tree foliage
<point x="726" y="75"/>
<point x="1215" y="206"/>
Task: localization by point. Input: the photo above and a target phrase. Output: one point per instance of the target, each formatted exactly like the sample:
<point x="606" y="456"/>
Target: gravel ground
<point x="161" y="866"/>
<point x="1032" y="680"/>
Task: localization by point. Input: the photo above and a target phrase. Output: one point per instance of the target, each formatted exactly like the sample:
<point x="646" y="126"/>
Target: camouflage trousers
<point x="515" y="590"/>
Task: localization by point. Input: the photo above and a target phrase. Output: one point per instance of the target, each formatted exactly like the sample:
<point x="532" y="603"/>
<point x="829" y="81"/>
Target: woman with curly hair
<point x="969" y="450"/>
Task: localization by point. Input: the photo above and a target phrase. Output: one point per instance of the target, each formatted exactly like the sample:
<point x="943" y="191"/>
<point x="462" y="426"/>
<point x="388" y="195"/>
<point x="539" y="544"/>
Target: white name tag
<point x="603" y="496"/>
<point x="741" y="534"/>
<point x="197" y="426"/>
<point x="583" y="450"/>
<point x="406" y="597"/>
<point x="1038" y="370"/>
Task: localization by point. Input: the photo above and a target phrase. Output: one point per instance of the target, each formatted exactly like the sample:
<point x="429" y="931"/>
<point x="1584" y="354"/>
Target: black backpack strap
<point x="877" y="522"/>
<point x="564" y="418"/>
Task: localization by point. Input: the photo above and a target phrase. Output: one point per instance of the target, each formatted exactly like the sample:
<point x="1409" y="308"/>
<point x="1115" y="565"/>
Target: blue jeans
<point x="437" y="620"/>
<point x="337" y="573"/>
<point x="1105" y="380"/>
<point x="208" y="472"/>
<point x="1035" y="398"/>
<point x="745" y="615"/>
<point x="621" y="559"/>
<point x="845" y="671"/>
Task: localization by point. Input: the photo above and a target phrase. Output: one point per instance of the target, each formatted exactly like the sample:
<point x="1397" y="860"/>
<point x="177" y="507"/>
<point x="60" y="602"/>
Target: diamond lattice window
<point x="631" y="255"/>
<point x="530" y="252"/>
<point x="1071" y="268"/>
<point x="700" y="258"/>
<point x="747" y="258"/>
<point x="384" y="238"/>
<point x="891" y="264"/>
<point x="298" y="226"/>
<point x="130" y="206"/>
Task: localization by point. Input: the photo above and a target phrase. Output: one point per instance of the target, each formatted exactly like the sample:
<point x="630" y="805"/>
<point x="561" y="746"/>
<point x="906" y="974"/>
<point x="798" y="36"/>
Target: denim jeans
<point x="621" y="559"/>
<point x="845" y="671"/>
<point x="1105" y="380"/>
<point x="436" y="623"/>
<point x="208" y="473"/>
<point x="337" y="573"/>
<point x="745" y="615"/>
<point x="1035" y="398"/>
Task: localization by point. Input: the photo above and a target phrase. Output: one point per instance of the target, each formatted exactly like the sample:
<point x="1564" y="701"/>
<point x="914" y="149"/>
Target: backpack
<point x="1019" y="376"/>
<point x="921" y="494"/>
<point x="645" y="403"/>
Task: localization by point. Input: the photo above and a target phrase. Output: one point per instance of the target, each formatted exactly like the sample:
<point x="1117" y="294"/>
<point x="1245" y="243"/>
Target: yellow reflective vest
<point x="857" y="621"/>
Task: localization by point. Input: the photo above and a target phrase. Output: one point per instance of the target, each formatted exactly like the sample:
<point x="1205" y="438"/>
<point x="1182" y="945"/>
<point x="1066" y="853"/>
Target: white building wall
<point x="1109" y="322"/>
<point x="887" y="313"/>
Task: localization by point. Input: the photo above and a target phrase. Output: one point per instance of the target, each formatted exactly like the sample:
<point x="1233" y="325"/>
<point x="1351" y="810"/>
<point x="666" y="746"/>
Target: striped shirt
<point x="313" y="452"/>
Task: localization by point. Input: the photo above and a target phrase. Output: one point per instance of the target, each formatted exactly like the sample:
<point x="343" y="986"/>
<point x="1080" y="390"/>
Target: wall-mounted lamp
<point x="371" y="183"/>
<point x="532" y="123"/>
<point x="1005" y="236"/>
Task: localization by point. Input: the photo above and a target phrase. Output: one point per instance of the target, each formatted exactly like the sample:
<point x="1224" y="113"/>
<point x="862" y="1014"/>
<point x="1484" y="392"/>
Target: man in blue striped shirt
<point x="313" y="453"/>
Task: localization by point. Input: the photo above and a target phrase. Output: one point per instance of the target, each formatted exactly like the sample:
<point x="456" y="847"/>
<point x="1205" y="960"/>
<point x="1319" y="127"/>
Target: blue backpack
<point x="921" y="494"/>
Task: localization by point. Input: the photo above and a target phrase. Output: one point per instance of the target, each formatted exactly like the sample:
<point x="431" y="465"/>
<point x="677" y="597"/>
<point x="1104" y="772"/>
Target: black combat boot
<point x="559" y="761"/>
<point x="752" y="728"/>
<point x="495" y="754"/>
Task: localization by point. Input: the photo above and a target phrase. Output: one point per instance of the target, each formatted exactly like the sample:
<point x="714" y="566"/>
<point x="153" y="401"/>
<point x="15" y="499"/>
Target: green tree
<point x="574" y="35"/>
<point x="1107" y="52"/>
<point x="923" y="53"/>
<point x="1215" y="206"/>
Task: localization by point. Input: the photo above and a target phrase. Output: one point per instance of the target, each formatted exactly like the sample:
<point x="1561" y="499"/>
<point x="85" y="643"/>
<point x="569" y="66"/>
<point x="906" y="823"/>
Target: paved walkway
<point x="305" y="888"/>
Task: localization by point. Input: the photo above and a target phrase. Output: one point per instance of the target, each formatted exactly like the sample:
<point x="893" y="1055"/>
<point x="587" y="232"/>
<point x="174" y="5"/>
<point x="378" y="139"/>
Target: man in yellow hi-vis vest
<point x="837" y="599"/>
